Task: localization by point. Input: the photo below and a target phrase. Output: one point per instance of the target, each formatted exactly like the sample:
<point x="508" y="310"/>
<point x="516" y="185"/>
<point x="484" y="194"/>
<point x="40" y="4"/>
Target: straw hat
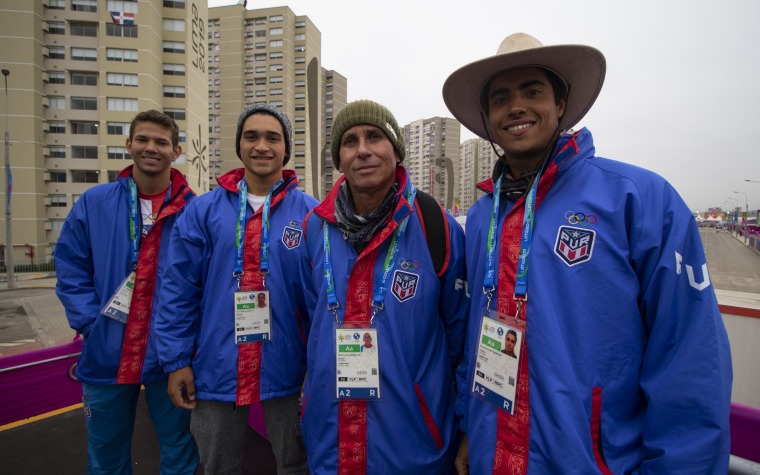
<point x="581" y="67"/>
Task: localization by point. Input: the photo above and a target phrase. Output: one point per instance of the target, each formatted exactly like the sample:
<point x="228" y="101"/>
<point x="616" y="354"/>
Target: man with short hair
<point x="599" y="269"/>
<point x="109" y="259"/>
<point x="388" y="408"/>
<point x="231" y="327"/>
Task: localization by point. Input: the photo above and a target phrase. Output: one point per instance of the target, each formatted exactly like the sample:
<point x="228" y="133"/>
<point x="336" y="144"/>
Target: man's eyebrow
<point x="521" y="86"/>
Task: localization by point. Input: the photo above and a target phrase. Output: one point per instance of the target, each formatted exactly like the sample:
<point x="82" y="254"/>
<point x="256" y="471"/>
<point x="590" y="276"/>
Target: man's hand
<point x="462" y="462"/>
<point x="181" y="388"/>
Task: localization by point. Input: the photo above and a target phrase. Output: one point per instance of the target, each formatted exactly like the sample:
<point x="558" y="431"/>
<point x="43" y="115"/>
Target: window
<point x="275" y="31"/>
<point x="56" y="77"/>
<point x="260" y="45"/>
<point x="82" y="151"/>
<point x="300" y="60"/>
<point x="171" y="24"/>
<point x="118" y="54"/>
<point x="260" y="33"/>
<point x="183" y="136"/>
<point x="75" y="198"/>
<point x="56" y="28"/>
<point x="275" y="79"/>
<point x="300" y="72"/>
<point x="275" y="92"/>
<point x="275" y="43"/>
<point x="174" y="3"/>
<point x="260" y="21"/>
<point x="57" y="151"/>
<point x="84" y="128"/>
<point x="84" y="5"/>
<point x="300" y="83"/>
<point x="57" y="4"/>
<point x="300" y="49"/>
<point x="57" y="176"/>
<point x="121" y="79"/>
<point x="124" y="31"/>
<point x="84" y="176"/>
<point x="300" y="37"/>
<point x="58" y="201"/>
<point x="300" y="118"/>
<point x="118" y="153"/>
<point x="261" y="93"/>
<point x="112" y="174"/>
<point x="277" y="55"/>
<point x="171" y="69"/>
<point x="84" y="79"/>
<point x="261" y="69"/>
<point x="56" y="52"/>
<point x="300" y="95"/>
<point x="260" y="57"/>
<point x="121" y="104"/>
<point x="84" y="103"/>
<point x="275" y="18"/>
<point x="118" y="128"/>
<point x="176" y="114"/>
<point x="57" y="127"/>
<point x="275" y="67"/>
<point x="261" y="81"/>
<point x="174" y="91"/>
<point x="174" y="47"/>
<point x="300" y="24"/>
<point x="56" y="102"/>
<point x="83" y="29"/>
<point x="299" y="142"/>
<point x="84" y="54"/>
<point x="300" y="107"/>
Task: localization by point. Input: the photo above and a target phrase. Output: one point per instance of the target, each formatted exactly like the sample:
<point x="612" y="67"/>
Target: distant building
<point x="79" y="72"/>
<point x="81" y="69"/>
<point x="272" y="55"/>
<point x="432" y="157"/>
<point x="476" y="162"/>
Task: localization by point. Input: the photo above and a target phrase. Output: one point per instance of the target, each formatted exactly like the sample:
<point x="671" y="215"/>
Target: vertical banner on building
<point x="197" y="147"/>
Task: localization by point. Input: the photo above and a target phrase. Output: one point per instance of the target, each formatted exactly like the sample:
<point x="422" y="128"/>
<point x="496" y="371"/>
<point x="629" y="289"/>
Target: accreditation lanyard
<point x="135" y="218"/>
<point x="237" y="272"/>
<point x="380" y="288"/>
<point x="521" y="277"/>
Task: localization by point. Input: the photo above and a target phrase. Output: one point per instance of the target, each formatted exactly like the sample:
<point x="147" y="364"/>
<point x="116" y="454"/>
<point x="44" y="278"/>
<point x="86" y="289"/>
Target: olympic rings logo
<point x="582" y="219"/>
<point x="407" y="264"/>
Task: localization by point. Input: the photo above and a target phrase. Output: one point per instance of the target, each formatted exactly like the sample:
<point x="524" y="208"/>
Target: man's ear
<point x="177" y="152"/>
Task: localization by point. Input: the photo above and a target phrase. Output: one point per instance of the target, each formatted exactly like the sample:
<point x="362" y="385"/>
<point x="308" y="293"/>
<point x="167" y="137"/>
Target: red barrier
<point x="745" y="432"/>
<point x="37" y="382"/>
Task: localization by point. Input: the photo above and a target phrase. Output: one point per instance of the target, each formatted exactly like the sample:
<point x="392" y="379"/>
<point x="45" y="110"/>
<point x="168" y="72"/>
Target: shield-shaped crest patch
<point x="291" y="237"/>
<point x="574" y="245"/>
<point x="404" y="285"/>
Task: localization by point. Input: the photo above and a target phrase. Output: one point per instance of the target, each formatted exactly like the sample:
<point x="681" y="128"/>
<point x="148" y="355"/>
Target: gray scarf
<point x="359" y="230"/>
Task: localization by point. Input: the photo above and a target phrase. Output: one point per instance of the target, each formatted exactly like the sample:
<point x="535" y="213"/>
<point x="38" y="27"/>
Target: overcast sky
<point x="681" y="97"/>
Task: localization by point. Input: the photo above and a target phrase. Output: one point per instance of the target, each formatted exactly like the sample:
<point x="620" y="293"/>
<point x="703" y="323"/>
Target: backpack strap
<point x="436" y="228"/>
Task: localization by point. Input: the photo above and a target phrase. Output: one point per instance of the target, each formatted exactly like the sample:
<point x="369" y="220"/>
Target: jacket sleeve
<point x="454" y="303"/>
<point x="686" y="374"/>
<point x="75" y="284"/>
<point x="179" y="310"/>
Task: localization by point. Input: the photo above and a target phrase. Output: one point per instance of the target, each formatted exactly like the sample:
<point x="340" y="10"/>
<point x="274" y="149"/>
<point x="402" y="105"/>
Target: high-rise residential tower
<point x="432" y="157"/>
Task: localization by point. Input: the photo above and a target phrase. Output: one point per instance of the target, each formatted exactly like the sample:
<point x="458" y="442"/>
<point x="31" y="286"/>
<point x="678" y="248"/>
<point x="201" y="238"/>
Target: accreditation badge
<point x="357" y="365"/>
<point x="119" y="303"/>
<point x="252" y="317"/>
<point x="496" y="364"/>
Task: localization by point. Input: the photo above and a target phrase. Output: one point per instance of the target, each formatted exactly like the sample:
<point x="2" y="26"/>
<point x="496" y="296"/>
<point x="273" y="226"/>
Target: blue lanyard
<point x="521" y="278"/>
<point x="237" y="272"/>
<point x="380" y="288"/>
<point x="135" y="218"/>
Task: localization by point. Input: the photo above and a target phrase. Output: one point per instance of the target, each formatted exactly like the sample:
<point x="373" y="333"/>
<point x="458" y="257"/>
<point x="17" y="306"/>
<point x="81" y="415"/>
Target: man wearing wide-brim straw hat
<point x="623" y="360"/>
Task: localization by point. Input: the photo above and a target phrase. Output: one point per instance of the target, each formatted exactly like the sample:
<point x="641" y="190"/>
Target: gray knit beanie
<point x="370" y="113"/>
<point x="264" y="109"/>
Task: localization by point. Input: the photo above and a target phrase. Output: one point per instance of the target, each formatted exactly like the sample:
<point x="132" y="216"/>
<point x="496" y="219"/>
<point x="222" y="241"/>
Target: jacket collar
<point x="568" y="146"/>
<point x="178" y="181"/>
<point x="229" y="181"/>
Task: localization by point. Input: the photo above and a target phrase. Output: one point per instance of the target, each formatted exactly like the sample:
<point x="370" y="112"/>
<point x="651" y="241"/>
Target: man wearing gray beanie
<point x="231" y="324"/>
<point x="387" y="323"/>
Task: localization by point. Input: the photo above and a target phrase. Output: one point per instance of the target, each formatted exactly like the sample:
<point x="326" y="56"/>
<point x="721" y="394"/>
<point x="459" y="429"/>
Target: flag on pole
<point x="123" y="18"/>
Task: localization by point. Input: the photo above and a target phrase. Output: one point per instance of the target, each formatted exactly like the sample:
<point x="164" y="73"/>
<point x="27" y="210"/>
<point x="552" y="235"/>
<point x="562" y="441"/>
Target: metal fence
<point x="24" y="272"/>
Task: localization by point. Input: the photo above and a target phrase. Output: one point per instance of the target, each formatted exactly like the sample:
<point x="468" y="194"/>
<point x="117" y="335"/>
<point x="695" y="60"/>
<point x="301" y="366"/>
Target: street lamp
<point x="746" y="206"/>
<point x="9" y="186"/>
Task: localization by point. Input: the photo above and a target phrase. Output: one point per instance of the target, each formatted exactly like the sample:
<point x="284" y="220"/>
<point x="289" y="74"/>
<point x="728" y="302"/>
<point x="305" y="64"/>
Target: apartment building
<point x="476" y="161"/>
<point x="271" y="55"/>
<point x="432" y="157"/>
<point x="79" y="71"/>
